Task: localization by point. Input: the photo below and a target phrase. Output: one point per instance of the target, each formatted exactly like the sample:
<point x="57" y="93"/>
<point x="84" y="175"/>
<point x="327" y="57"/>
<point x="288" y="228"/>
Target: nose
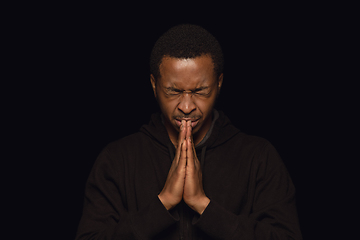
<point x="186" y="104"/>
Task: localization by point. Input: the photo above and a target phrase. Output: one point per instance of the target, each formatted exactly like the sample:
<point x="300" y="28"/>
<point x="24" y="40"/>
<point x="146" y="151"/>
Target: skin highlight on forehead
<point x="187" y="74"/>
<point x="187" y="62"/>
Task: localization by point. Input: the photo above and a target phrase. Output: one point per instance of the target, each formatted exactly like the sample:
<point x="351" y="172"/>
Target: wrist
<point x="165" y="202"/>
<point x="201" y="205"/>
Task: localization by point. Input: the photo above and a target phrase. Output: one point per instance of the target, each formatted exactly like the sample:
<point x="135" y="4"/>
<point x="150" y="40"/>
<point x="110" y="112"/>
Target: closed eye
<point x="203" y="91"/>
<point x="172" y="91"/>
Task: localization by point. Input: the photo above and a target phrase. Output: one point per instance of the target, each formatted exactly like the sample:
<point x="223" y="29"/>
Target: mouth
<point x="194" y="122"/>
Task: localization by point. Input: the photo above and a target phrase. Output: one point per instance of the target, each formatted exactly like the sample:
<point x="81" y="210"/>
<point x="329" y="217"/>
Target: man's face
<point x="187" y="90"/>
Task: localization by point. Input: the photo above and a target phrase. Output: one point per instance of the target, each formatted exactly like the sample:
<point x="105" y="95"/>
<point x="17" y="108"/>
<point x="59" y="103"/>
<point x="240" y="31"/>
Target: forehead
<point x="187" y="73"/>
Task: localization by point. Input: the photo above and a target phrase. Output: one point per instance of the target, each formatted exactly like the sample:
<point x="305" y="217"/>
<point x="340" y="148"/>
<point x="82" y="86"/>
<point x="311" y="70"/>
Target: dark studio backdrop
<point x="91" y="86"/>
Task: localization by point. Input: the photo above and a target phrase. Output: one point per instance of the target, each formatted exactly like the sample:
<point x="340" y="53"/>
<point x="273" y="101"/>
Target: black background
<point x="85" y="82"/>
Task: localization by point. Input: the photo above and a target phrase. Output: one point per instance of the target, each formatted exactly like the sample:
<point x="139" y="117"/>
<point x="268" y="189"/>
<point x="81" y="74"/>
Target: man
<point x="189" y="173"/>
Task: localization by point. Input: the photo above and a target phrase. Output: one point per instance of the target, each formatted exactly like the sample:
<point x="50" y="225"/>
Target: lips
<point x="194" y="122"/>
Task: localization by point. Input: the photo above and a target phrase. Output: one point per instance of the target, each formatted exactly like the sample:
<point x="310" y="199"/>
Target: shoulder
<point x="251" y="141"/>
<point x="128" y="143"/>
<point x="117" y="153"/>
<point x="257" y="148"/>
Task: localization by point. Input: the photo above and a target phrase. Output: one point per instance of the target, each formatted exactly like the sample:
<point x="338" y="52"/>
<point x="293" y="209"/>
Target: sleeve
<point x="274" y="214"/>
<point x="105" y="215"/>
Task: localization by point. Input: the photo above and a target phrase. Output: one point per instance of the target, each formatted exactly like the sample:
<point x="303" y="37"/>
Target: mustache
<point x="191" y="116"/>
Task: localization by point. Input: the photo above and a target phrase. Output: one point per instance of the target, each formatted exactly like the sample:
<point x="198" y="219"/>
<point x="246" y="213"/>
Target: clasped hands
<point x="184" y="180"/>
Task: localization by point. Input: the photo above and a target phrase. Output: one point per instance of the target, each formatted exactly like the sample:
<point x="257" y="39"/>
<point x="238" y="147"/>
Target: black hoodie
<point x="250" y="191"/>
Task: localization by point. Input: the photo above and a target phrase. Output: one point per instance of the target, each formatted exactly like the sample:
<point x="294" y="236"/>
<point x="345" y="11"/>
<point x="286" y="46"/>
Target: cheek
<point x="167" y="106"/>
<point x="205" y="105"/>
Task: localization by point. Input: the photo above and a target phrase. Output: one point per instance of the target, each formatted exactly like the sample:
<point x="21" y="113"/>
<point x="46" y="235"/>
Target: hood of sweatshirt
<point x="221" y="132"/>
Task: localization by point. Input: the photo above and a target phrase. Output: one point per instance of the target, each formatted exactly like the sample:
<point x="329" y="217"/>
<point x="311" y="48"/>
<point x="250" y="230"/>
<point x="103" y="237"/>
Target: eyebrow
<point x="172" y="89"/>
<point x="201" y="88"/>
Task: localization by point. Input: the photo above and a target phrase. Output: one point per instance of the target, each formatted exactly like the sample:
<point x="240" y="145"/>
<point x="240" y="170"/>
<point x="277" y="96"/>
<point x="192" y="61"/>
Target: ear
<point x="220" y="82"/>
<point x="153" y="84"/>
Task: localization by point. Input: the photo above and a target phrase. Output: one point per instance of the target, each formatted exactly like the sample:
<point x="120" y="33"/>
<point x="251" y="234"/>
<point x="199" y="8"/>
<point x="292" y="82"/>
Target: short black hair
<point x="186" y="41"/>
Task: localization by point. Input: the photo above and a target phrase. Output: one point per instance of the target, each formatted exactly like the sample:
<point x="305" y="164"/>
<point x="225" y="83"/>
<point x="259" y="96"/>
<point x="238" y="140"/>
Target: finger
<point x="191" y="137"/>
<point x="181" y="138"/>
<point x="183" y="158"/>
<point x="182" y="133"/>
<point x="190" y="150"/>
<point x="192" y="159"/>
<point x="188" y="129"/>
